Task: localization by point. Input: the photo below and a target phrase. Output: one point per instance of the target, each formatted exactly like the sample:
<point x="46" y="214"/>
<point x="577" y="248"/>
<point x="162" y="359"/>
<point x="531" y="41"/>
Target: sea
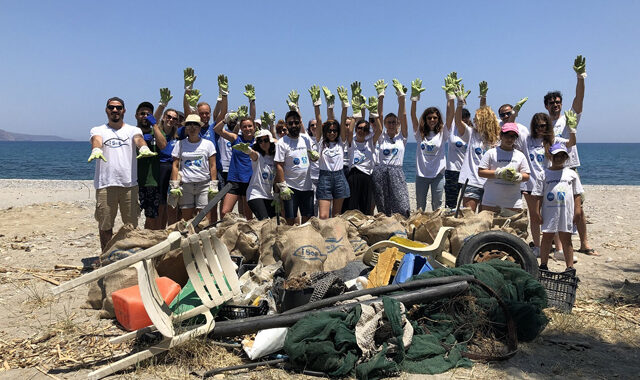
<point x="601" y="163"/>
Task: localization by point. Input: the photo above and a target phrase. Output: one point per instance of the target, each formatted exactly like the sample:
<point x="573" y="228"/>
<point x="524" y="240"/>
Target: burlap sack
<point x="516" y="223"/>
<point x="356" y="218"/>
<point x="468" y="223"/>
<point x="336" y="239"/>
<point x="301" y="249"/>
<point x="242" y="239"/>
<point x="268" y="233"/>
<point x="129" y="240"/>
<point x="382" y="227"/>
<point x="424" y="226"/>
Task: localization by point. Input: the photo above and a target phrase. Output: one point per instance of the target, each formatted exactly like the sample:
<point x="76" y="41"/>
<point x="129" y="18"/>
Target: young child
<point x="557" y="193"/>
<point x="504" y="167"/>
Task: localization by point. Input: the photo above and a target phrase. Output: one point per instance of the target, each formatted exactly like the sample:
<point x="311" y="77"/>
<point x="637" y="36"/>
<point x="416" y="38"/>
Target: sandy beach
<point x="44" y="223"/>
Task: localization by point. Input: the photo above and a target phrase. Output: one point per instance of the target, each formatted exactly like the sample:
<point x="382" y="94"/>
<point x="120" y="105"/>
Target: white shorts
<point x="195" y="195"/>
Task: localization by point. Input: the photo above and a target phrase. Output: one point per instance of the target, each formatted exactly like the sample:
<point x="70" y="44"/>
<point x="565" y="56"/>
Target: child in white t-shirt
<point x="558" y="205"/>
<point x="504" y="167"/>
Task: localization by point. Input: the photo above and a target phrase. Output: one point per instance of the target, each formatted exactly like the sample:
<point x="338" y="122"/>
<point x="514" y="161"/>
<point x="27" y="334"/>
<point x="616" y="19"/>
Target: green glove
<point x="243" y="147"/>
<point x="165" y="97"/>
<point x="400" y="89"/>
<point x="266" y="119"/>
<point x="358" y="103"/>
<point x="453" y="76"/>
<point x="449" y="87"/>
<point x="580" y="66"/>
<point x="484" y="87"/>
<point x="416" y="89"/>
<point x="250" y="92"/>
<point x="520" y="103"/>
<point x="373" y="106"/>
<point x="189" y="78"/>
<point x="329" y="97"/>
<point x="344" y="96"/>
<point x="315" y="95"/>
<point x="193" y="99"/>
<point x="355" y="89"/>
<point x="223" y="85"/>
<point x="146" y="152"/>
<point x="285" y="191"/>
<point x="96" y="153"/>
<point x="292" y="100"/>
<point x="572" y="120"/>
<point x="176" y="189"/>
<point x="313" y="155"/>
<point x="461" y="94"/>
<point x="276" y="204"/>
<point x="243" y="111"/>
<point x="380" y="86"/>
<point x="230" y="117"/>
<point x="213" y="189"/>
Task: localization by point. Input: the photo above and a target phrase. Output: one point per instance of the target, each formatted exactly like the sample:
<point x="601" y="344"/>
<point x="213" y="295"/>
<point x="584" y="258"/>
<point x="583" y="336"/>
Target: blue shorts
<point x="302" y="200"/>
<point x="332" y="185"/>
<point x="473" y="192"/>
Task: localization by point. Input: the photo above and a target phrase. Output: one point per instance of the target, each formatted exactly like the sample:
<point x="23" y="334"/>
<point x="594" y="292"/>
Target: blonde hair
<point x="487" y="125"/>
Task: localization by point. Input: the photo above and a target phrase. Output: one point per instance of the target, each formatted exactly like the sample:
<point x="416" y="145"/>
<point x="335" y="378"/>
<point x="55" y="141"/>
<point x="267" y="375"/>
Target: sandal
<point x="589" y="252"/>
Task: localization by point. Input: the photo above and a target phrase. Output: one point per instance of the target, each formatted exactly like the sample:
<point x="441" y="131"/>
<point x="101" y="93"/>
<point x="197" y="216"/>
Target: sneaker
<point x="536" y="251"/>
<point x="570" y="271"/>
<point x="543" y="267"/>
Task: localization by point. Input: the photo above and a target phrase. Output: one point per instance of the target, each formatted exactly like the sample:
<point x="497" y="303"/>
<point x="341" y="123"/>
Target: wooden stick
<point x="47" y="279"/>
<point x="65" y="266"/>
<point x="47" y="374"/>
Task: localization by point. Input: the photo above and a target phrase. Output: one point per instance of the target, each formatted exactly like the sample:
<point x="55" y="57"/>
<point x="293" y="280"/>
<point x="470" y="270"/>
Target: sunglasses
<point x="293" y="122"/>
<point x="169" y="117"/>
<point x="541" y="126"/>
<point x="331" y="130"/>
<point x="553" y="102"/>
<point x="144" y="113"/>
<point x="112" y="107"/>
<point x="432" y="118"/>
<point x="264" y="140"/>
<point x="505" y="114"/>
<point x="362" y="129"/>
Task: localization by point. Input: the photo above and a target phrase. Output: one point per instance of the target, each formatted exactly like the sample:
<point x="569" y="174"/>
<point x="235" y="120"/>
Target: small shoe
<point x="571" y="271"/>
<point x="543" y="267"/>
<point x="536" y="251"/>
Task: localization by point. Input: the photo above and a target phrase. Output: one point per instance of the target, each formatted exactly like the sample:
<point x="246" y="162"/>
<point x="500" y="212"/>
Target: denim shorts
<point x="332" y="185"/>
<point x="473" y="192"/>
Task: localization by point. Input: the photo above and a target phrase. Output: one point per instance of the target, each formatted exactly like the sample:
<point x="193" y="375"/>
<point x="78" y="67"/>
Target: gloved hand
<point x="223" y="85"/>
<point x="266" y="119"/>
<point x="449" y="86"/>
<point x="250" y="92"/>
<point x="276" y="204"/>
<point x="292" y="101"/>
<point x="400" y="89"/>
<point x="519" y="104"/>
<point x="358" y="103"/>
<point x="416" y="89"/>
<point x="213" y="189"/>
<point x="344" y="96"/>
<point x="243" y="147"/>
<point x="455" y="81"/>
<point x="501" y="173"/>
<point x="329" y="97"/>
<point x="313" y="155"/>
<point x="151" y="119"/>
<point x="145" y="152"/>
<point x="243" y="111"/>
<point x="580" y="66"/>
<point x="189" y="78"/>
<point x="373" y="107"/>
<point x="193" y="99"/>
<point x="230" y="116"/>
<point x="572" y="120"/>
<point x="285" y="191"/>
<point x="484" y="87"/>
<point x="461" y="94"/>
<point x="165" y="97"/>
<point x="314" y="91"/>
<point x="96" y="153"/>
<point x="175" y="189"/>
<point x="380" y="86"/>
<point x="355" y="89"/>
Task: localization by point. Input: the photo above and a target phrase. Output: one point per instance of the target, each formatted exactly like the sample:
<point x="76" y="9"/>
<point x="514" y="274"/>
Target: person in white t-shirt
<point x="432" y="134"/>
<point x="116" y="177"/>
<point x="505" y="168"/>
<point x="260" y="190"/>
<point x="558" y="205"/>
<point x="194" y="169"/>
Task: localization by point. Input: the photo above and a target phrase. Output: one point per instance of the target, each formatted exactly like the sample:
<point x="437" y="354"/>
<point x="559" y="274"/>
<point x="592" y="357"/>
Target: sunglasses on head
<point x="293" y="122"/>
<point x="112" y="107"/>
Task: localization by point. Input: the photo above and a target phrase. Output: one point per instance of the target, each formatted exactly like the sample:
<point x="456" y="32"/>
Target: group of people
<point x="284" y="168"/>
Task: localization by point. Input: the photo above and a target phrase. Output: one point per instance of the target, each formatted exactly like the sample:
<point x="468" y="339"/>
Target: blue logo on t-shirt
<point x="478" y="151"/>
<point x="228" y="144"/>
<point x="394" y="151"/>
<point x="560" y="195"/>
<point x="540" y="157"/>
<point x="296" y="161"/>
<point x="356" y="160"/>
<point x="422" y="146"/>
<point x="459" y="144"/>
<point x="531" y="156"/>
<point x="550" y="197"/>
<point x="386" y="152"/>
<point x="265" y="175"/>
<point x="430" y="148"/>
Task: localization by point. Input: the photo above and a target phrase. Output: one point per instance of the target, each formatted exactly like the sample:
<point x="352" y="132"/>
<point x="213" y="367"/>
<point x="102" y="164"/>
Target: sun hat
<point x="193" y="118"/>
<point x="557" y="148"/>
<point x="264" y="132"/>
<point x="510" y="127"/>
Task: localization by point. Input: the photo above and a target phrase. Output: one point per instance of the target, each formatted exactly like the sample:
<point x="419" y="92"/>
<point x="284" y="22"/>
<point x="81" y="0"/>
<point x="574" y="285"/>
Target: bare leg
<point x="337" y="207"/>
<point x="470" y="203"/>
<point x="545" y="247"/>
<point x="535" y="226"/>
<point x="187" y="213"/>
<point x="162" y="216"/>
<point x="172" y="215"/>
<point x="246" y="209"/>
<point x="228" y="203"/>
<point x="557" y="242"/>
<point x="565" y="237"/>
<point x="324" y="208"/>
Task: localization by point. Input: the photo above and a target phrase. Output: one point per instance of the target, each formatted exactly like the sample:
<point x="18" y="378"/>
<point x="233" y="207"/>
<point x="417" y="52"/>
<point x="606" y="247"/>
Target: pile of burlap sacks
<point x="317" y="246"/>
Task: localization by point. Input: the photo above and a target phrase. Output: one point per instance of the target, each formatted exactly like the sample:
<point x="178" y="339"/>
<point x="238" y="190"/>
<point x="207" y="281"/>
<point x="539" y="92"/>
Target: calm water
<point x="601" y="163"/>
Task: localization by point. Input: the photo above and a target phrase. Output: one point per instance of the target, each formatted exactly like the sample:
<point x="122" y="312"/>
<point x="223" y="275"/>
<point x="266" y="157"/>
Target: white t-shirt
<point x="331" y="156"/>
<point x="430" y="155"/>
<point x="194" y="159"/>
<point x="498" y="192"/>
<point x="121" y="168"/>
<point x="390" y="151"/>
<point x="561" y="130"/>
<point x="457" y="148"/>
<point x="537" y="159"/>
<point x="361" y="155"/>
<point x="293" y="153"/>
<point x="469" y="168"/>
<point x="557" y="188"/>
<point x="264" y="173"/>
<point x="225" y="152"/>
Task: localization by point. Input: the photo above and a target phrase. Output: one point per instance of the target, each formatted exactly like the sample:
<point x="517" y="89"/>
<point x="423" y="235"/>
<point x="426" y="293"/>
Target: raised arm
<point x="349" y="129"/>
<point x="161" y="140"/>
<point x="380" y="87"/>
<point x="189" y="78"/>
<point x="314" y="91"/>
<point x="414" y="118"/>
<point x="458" y="118"/>
<point x="402" y="111"/>
<point x="484" y="87"/>
<point x="250" y="93"/>
<point x="331" y="100"/>
<point x="374" y="113"/>
<point x="220" y="129"/>
<point x="165" y="97"/>
<point x="580" y="67"/>
<point x="223" y="92"/>
<point x="416" y="90"/>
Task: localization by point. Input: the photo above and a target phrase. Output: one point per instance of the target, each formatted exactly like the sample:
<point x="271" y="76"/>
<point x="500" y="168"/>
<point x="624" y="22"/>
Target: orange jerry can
<point x="128" y="307"/>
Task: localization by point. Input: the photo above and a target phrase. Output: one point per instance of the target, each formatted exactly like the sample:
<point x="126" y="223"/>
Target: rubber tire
<point x="488" y="240"/>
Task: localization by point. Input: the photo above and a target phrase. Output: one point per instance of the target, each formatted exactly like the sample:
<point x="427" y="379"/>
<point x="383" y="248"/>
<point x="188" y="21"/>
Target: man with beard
<point x="116" y="176"/>
<point x="293" y="177"/>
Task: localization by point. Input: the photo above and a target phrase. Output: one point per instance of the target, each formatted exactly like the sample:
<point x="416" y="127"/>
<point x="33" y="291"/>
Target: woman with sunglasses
<point x="432" y="136"/>
<point x="240" y="168"/>
<point x="169" y="126"/>
<point x="260" y="190"/>
<point x="280" y="130"/>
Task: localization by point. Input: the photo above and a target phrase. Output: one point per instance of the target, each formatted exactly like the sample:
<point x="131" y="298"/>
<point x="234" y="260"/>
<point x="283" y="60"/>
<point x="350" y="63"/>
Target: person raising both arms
<point x="167" y="214"/>
<point x="116" y="176"/>
<point x="431" y="133"/>
<point x="260" y="190"/>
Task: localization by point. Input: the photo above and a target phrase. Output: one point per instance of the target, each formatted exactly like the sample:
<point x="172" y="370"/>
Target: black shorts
<point x="239" y="188"/>
<point x="222" y="179"/>
<point x="149" y="197"/>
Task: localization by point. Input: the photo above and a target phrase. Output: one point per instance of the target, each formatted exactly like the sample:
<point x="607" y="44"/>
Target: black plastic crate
<point x="237" y="260"/>
<point x="561" y="288"/>
<point x="239" y="312"/>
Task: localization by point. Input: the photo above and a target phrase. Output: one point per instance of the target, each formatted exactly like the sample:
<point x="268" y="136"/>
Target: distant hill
<point x="11" y="136"/>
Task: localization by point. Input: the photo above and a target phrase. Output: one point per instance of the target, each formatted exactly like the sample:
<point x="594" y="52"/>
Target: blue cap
<point x="558" y="147"/>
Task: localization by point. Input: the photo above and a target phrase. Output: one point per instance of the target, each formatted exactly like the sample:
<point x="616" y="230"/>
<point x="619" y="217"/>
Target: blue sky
<point x="62" y="60"/>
